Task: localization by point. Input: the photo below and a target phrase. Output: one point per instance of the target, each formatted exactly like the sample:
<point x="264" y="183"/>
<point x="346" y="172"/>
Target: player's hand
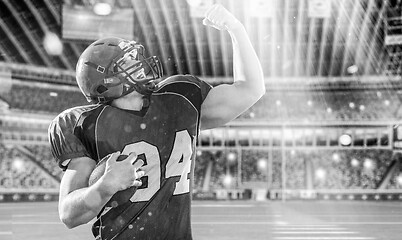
<point x="220" y="18"/>
<point x="122" y="174"/>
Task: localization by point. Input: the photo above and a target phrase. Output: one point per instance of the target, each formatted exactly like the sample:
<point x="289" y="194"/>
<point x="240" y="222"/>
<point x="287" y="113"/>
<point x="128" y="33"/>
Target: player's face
<point x="132" y="65"/>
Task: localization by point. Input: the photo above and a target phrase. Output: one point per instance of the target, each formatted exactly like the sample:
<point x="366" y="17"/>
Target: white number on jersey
<point x="178" y="165"/>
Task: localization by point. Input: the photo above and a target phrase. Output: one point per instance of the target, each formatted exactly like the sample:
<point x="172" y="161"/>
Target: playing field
<point x="293" y="220"/>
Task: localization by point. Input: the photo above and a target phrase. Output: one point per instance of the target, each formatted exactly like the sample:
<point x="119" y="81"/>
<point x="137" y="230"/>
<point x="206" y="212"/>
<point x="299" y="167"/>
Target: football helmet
<point x="110" y="68"/>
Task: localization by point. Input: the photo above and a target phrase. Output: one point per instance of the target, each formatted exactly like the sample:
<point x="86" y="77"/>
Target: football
<point x="119" y="197"/>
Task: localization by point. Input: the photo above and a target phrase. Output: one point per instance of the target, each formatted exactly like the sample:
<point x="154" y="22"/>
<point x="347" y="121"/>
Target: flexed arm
<point x="227" y="101"/>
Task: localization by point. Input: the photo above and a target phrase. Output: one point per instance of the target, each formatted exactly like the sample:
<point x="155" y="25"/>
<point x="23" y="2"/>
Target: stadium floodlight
<point x="52" y="44"/>
<point x="103" y="7"/>
<point x="345" y="140"/>
<point x="353" y="69"/>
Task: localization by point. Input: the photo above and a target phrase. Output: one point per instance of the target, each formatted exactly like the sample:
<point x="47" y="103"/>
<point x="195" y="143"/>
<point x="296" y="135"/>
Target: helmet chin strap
<point x="145" y="89"/>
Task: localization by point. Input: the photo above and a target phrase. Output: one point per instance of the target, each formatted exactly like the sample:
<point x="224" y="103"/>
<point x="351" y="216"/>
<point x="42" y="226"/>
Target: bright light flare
<point x="18" y="164"/>
<point x="353" y="69"/>
<point x="52" y="44"/>
<point x="320" y="174"/>
<point x="262" y="164"/>
<point x="336" y="157"/>
<point x="368" y="164"/>
<point x="227" y="180"/>
<point x="102" y="9"/>
<point x="231" y="157"/>
<point x="399" y="179"/>
<point x="345" y="139"/>
<point x="354" y="162"/>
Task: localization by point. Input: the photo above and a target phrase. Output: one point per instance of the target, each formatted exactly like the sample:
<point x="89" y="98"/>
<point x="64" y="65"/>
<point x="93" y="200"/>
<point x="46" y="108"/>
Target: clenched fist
<point x="220" y="18"/>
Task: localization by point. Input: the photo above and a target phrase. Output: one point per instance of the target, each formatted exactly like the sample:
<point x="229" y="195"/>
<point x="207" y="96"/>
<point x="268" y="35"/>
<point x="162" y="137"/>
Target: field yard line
<point x="355" y="215"/>
<point x="235" y="223"/>
<point x="37" y="223"/>
<point x="323" y="238"/>
<point x="308" y="228"/>
<point x="236" y="215"/>
<point x="315" y="232"/>
<point x="366" y="223"/>
<point x="222" y="205"/>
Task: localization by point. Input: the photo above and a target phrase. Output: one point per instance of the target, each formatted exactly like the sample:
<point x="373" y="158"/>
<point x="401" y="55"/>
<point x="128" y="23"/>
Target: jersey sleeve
<point x="204" y="86"/>
<point x="65" y="145"/>
<point x="189" y="86"/>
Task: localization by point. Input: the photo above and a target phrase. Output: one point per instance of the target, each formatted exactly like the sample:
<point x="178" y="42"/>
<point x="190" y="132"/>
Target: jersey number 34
<point x="178" y="165"/>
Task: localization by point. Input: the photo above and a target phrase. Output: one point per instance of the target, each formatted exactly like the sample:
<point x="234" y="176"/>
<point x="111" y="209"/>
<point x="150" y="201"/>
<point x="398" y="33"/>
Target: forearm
<point x="247" y="69"/>
<point x="82" y="205"/>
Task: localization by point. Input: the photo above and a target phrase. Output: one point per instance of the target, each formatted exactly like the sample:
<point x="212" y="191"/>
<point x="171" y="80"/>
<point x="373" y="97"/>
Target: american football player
<point x="155" y="123"/>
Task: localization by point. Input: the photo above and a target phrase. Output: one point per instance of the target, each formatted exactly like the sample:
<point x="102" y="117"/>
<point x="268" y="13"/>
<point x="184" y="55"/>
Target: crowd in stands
<point x="44" y="158"/>
<point x="347" y="169"/>
<point x="340" y="169"/>
<point x="283" y="105"/>
<point x="308" y="169"/>
<point x="311" y="106"/>
<point x="42" y="100"/>
<point x="317" y="169"/>
<point x="17" y="171"/>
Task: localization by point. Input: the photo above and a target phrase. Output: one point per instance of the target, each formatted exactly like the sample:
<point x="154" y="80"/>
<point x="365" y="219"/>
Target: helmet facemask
<point x="140" y="73"/>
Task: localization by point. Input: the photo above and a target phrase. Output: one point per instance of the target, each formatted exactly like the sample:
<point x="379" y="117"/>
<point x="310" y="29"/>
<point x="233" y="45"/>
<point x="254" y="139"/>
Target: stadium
<point x="319" y="156"/>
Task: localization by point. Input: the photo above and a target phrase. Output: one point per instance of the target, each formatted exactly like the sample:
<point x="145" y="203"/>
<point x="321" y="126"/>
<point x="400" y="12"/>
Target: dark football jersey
<point x="163" y="135"/>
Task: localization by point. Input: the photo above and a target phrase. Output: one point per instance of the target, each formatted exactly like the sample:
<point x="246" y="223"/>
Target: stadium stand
<point x="308" y="166"/>
<point x="19" y="172"/>
<point x="41" y="98"/>
<point x="293" y="106"/>
<point x="327" y="106"/>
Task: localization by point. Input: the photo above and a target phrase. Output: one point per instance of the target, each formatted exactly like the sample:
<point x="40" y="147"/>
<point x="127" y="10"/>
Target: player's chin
<point x="137" y="183"/>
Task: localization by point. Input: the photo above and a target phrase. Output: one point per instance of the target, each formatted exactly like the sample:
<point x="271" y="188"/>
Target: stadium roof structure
<point x="292" y="39"/>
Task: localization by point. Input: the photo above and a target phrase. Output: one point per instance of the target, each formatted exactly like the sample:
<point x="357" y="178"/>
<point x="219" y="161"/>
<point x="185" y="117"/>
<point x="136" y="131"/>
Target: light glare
<point x="102" y="9"/>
